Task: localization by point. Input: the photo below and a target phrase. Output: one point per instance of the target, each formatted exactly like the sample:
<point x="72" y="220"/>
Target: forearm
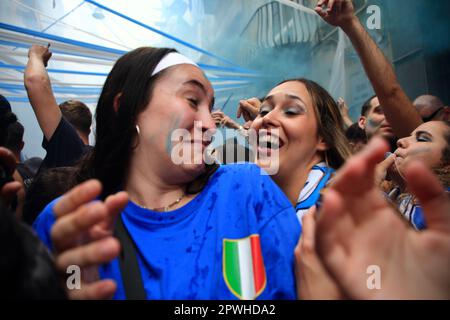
<point x="347" y="121"/>
<point x="397" y="107"/>
<point x="42" y="99"/>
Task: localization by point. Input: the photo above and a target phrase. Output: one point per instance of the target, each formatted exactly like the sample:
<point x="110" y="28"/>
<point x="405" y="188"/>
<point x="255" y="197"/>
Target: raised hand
<point x="336" y="12"/>
<point x="248" y="109"/>
<point x="40" y="52"/>
<point x="82" y="236"/>
<point x="222" y="120"/>
<point x="357" y="229"/>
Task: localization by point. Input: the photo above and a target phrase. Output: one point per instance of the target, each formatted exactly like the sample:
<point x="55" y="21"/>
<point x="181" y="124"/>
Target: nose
<point x="206" y="121"/>
<point x="402" y="143"/>
<point x="270" y="120"/>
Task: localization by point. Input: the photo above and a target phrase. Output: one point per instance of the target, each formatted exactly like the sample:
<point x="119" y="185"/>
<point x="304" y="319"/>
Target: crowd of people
<point x="344" y="196"/>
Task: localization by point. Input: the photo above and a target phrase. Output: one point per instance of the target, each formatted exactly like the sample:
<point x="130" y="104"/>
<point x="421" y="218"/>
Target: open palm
<point x="358" y="229"/>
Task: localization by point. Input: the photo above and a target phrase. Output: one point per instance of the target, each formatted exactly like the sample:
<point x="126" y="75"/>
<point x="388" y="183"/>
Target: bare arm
<point x="39" y="90"/>
<point x="398" y="109"/>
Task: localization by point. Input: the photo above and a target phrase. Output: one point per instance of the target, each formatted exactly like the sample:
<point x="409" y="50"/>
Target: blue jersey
<point x="236" y="239"/>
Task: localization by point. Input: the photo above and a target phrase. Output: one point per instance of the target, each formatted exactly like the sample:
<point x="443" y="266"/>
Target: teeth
<point x="269" y="141"/>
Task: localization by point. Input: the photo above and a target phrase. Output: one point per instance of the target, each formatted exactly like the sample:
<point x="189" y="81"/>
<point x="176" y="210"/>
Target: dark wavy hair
<point x="329" y="122"/>
<point x="132" y="82"/>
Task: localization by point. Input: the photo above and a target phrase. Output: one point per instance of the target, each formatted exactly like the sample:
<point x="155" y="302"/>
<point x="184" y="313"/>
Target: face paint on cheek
<point x="373" y="125"/>
<point x="174" y="124"/>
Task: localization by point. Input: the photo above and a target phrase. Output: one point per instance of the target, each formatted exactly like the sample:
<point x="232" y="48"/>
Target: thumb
<point x="433" y="198"/>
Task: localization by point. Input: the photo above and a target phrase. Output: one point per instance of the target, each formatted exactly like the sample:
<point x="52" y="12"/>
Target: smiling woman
<point x="301" y="122"/>
<point x="177" y="249"/>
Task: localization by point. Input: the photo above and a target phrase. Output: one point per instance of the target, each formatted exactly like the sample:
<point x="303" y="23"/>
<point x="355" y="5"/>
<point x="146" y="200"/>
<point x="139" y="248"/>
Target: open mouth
<point x="268" y="143"/>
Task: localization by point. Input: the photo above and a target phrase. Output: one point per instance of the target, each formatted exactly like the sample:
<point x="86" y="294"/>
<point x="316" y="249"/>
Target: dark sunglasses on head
<point x="431" y="116"/>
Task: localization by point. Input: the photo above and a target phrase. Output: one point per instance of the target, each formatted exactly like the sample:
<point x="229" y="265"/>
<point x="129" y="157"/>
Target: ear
<point x="362" y="122"/>
<point x="322" y="145"/>
<point x="116" y="102"/>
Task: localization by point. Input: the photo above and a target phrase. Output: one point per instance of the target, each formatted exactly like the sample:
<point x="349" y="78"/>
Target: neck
<point x="17" y="156"/>
<point x="292" y="183"/>
<point x="149" y="188"/>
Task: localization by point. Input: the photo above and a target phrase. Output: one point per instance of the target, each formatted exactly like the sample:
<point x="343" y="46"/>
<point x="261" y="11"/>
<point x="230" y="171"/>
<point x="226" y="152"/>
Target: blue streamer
<point x="60" y="39"/>
<point x="22" y="68"/>
<point x="182" y="42"/>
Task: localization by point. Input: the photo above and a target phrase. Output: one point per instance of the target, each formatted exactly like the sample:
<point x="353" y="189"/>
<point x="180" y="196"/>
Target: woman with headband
<point x="187" y="229"/>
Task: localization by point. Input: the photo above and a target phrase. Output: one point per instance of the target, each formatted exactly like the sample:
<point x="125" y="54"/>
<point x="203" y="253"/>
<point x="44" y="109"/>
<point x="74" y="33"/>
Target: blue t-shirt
<point x="181" y="253"/>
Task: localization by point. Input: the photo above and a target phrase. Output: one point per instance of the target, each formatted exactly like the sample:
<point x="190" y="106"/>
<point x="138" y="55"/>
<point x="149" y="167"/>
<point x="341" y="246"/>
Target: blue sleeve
<point x="43" y="224"/>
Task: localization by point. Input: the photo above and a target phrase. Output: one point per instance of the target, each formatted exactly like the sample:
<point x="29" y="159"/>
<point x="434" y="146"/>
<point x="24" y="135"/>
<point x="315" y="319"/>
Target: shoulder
<point x="243" y="169"/>
<point x="65" y="131"/>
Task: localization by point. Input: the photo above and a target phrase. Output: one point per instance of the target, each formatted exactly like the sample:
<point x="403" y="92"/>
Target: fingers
<point x="92" y="254"/>
<point x="239" y="112"/>
<point x="432" y="196"/>
<point x="382" y="168"/>
<point x="99" y="290"/>
<point x="308" y="228"/>
<point x="9" y="191"/>
<point x="331" y="5"/>
<point x="333" y="226"/>
<point x="115" y="204"/>
<point x="7" y="159"/>
<point x="79" y="195"/>
<point x="69" y="229"/>
<point x="329" y="213"/>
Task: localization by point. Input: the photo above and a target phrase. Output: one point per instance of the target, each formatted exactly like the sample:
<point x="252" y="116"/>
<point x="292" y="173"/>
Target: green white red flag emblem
<point x="243" y="267"/>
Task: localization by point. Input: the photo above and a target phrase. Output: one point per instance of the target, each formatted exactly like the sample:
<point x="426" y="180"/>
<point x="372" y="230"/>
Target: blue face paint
<point x="174" y="123"/>
<point x="374" y="125"/>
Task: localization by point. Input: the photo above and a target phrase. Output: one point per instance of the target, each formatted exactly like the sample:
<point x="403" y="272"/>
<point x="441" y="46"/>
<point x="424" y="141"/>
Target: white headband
<point x="172" y="59"/>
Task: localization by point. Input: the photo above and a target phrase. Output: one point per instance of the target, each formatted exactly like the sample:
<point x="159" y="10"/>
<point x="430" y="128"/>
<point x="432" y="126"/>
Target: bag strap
<point x="129" y="265"/>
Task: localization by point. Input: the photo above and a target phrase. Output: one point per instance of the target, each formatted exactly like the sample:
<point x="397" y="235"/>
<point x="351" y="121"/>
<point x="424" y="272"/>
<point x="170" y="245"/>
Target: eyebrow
<point x="290" y="96"/>
<point x="418" y="133"/>
<point x="196" y="83"/>
<point x="200" y="85"/>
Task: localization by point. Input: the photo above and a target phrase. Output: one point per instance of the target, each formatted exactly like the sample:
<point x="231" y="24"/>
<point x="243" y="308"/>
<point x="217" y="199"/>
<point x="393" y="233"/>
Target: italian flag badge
<point x="243" y="267"/>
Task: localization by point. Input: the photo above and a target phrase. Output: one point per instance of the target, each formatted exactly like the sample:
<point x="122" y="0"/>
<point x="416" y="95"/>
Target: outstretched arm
<point x="397" y="107"/>
<point x="39" y="90"/>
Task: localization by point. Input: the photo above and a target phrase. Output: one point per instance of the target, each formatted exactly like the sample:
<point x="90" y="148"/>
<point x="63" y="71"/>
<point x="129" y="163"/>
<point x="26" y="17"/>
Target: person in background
<point x="429" y="144"/>
<point x="431" y="108"/>
<point x="27" y="272"/>
<point x="374" y="122"/>
<point x="28" y="168"/>
<point x="356" y="137"/>
<point x="65" y="128"/>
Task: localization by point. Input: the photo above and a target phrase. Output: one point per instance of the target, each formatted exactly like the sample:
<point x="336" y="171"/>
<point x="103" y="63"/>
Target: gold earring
<point x="138" y="130"/>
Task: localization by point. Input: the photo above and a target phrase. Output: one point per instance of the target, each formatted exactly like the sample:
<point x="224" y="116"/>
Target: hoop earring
<point x="138" y="130"/>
